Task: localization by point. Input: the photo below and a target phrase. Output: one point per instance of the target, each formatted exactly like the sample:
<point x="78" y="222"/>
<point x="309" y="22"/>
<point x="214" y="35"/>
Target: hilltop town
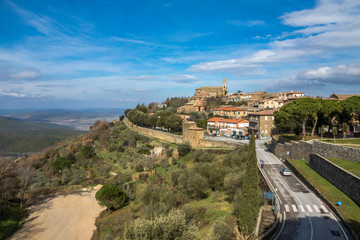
<point x="234" y="115"/>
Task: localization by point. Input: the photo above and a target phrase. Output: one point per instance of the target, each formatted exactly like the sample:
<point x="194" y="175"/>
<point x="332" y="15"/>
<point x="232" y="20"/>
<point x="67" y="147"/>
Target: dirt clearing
<point x="70" y="216"/>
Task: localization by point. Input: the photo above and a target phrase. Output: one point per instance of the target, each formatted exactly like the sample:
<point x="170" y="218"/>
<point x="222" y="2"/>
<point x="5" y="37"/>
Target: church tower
<point x="224" y="87"/>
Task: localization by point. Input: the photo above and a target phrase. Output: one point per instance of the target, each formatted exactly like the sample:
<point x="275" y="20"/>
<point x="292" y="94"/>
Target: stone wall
<point x="302" y="150"/>
<point x="168" y="137"/>
<point x="193" y="137"/>
<point x="342" y="179"/>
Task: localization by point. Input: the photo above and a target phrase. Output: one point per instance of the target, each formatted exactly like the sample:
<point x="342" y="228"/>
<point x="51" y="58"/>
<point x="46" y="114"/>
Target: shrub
<point x="222" y="229"/>
<point x="111" y="196"/>
<point x="184" y="149"/>
<point x="86" y="152"/>
<point x="172" y="226"/>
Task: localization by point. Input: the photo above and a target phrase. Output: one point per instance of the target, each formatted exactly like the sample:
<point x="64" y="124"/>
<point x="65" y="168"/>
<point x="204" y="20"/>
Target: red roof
<point x="263" y="113"/>
<point x="230" y="109"/>
<point x="231" y="120"/>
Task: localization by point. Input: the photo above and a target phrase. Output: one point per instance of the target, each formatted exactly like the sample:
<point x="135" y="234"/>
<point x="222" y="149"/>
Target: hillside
<point x="20" y="136"/>
<point x="155" y="183"/>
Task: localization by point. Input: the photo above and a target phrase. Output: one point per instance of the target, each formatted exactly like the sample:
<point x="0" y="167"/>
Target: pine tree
<point x="249" y="201"/>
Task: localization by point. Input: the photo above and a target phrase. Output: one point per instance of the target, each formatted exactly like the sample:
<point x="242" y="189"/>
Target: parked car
<point x="285" y="172"/>
<point x="235" y="137"/>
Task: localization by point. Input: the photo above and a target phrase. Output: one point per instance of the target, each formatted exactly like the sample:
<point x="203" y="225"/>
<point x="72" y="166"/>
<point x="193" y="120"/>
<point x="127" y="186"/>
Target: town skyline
<point x="114" y="55"/>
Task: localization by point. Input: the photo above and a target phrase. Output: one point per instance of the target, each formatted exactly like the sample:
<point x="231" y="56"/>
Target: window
<point x="265" y="131"/>
<point x="265" y="118"/>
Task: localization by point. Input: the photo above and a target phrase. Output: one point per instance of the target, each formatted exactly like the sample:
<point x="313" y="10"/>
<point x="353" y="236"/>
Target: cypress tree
<point x="249" y="201"/>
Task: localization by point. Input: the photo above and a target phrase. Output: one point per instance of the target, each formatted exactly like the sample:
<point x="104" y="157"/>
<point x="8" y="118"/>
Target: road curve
<point x="304" y="215"/>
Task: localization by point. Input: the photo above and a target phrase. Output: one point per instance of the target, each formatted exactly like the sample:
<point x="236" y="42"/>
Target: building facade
<point x="220" y="126"/>
<point x="231" y="112"/>
<point x="261" y="123"/>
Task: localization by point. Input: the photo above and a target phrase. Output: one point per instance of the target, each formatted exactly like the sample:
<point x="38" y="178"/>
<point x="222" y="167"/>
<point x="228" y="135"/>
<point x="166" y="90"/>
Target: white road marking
<point x="301" y="208"/>
<point x="324" y="208"/>
<point x="287" y="209"/>
<point x="309" y="208"/>
<point x="294" y="208"/>
<point x="316" y="208"/>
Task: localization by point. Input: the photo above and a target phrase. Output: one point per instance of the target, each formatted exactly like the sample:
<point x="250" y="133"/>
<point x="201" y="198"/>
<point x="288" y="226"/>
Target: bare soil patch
<point x="68" y="216"/>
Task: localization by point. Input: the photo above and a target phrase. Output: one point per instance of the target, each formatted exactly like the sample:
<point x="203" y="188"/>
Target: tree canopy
<point x="111" y="196"/>
<point x="310" y="112"/>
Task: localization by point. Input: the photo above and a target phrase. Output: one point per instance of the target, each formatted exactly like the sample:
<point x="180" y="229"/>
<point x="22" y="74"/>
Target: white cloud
<point x="320" y="77"/>
<point x="142" y="78"/>
<point x="182" y="78"/>
<point x="330" y="27"/>
<point x="26" y="75"/>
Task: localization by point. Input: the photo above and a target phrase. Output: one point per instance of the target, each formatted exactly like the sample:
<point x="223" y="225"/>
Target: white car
<point x="285" y="172"/>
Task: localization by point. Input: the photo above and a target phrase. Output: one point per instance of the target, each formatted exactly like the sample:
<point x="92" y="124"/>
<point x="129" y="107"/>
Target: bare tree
<point x="26" y="175"/>
<point x="8" y="180"/>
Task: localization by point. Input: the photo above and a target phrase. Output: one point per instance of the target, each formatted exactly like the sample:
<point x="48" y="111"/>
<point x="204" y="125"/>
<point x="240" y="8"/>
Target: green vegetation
<point x="111" y="196"/>
<point x="342" y="141"/>
<point x="248" y="207"/>
<point x="307" y="114"/>
<point x="166" y="192"/>
<point x="350" y="166"/>
<point x="10" y="221"/>
<point x="349" y="209"/>
<point x="23" y="136"/>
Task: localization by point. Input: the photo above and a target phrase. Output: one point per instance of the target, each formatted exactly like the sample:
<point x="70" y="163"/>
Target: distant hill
<point x="79" y="119"/>
<point x="21" y="136"/>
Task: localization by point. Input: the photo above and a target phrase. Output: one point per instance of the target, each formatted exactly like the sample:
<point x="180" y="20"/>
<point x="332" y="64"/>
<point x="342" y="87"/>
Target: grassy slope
<point x="349" y="210"/>
<point x="23" y="136"/>
<point x="351" y="166"/>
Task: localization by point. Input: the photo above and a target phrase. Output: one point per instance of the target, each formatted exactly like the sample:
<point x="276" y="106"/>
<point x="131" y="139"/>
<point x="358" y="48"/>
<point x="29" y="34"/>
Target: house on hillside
<point x="273" y="103"/>
<point x="231" y="112"/>
<point x="261" y="123"/>
<point x="221" y="126"/>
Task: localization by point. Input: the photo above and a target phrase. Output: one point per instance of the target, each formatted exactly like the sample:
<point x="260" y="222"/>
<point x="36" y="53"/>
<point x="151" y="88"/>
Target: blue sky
<point x="113" y="54"/>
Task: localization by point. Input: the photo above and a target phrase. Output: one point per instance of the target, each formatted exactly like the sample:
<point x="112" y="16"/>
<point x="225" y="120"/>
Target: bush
<point x="184" y="149"/>
<point x="111" y="196"/>
<point x="223" y="230"/>
<point x="172" y="226"/>
<point x="86" y="152"/>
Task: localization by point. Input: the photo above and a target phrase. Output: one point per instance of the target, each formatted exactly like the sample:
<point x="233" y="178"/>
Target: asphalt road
<point x="304" y="215"/>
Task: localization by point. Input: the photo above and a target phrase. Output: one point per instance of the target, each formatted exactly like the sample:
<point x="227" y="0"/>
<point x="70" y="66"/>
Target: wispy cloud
<point x="182" y="78"/>
<point x="119" y="39"/>
<point x="142" y="78"/>
<point x="248" y="23"/>
<point x="320" y="77"/>
<point x="328" y="28"/>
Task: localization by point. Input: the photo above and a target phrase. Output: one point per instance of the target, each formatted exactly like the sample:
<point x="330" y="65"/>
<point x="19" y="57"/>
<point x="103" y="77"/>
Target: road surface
<point x="304" y="215"/>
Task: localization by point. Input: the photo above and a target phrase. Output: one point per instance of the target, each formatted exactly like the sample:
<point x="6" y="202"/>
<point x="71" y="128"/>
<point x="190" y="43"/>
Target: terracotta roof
<point x="263" y="113"/>
<point x="184" y="116"/>
<point x="231" y="120"/>
<point x="230" y="109"/>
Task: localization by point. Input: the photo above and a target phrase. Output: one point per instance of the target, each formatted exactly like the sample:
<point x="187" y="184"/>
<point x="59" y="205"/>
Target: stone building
<point x="262" y="123"/>
<point x="231" y="112"/>
<point x="207" y="92"/>
<point x="192" y="134"/>
<point x="221" y="126"/>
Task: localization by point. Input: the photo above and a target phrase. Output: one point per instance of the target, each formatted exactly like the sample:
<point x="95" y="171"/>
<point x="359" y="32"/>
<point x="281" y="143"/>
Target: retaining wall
<point x="342" y="179"/>
<point x="302" y="150"/>
<point x="168" y="137"/>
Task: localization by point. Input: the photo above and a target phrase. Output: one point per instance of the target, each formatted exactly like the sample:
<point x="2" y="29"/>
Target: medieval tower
<point x="224" y="87"/>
